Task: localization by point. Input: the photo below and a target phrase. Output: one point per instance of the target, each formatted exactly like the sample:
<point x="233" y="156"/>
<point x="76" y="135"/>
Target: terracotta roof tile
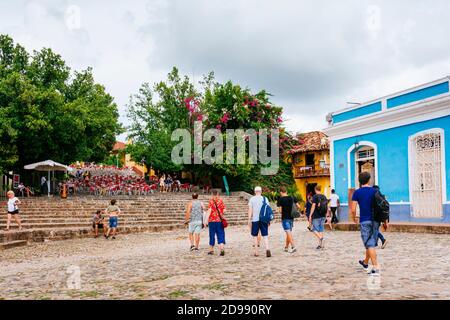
<point x="119" y="146"/>
<point x="311" y="141"/>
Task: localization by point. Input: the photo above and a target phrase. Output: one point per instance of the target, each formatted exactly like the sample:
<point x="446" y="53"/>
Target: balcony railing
<point x="311" y="171"/>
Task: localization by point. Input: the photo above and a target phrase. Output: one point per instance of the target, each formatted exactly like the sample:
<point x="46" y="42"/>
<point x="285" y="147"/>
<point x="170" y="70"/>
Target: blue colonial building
<point x="401" y="140"/>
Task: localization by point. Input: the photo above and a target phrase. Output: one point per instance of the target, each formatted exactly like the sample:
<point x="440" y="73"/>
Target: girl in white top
<point x="13" y="210"/>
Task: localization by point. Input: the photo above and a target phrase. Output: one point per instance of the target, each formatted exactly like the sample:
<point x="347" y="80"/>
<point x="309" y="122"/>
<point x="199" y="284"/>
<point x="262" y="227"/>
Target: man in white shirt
<point x="334" y="205"/>
<point x="43" y="185"/>
<point x="255" y="225"/>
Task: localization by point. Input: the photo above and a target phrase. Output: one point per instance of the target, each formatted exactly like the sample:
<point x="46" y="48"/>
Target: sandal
<point x="210" y="253"/>
<point x="192" y="248"/>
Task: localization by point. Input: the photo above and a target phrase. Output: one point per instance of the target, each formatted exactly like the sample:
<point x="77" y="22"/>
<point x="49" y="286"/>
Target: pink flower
<point x="279" y="120"/>
<point x="225" y="118"/>
<point x="200" y="117"/>
<point x="219" y="127"/>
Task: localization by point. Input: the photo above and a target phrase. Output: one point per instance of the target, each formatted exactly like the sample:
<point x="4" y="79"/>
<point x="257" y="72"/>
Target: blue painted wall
<point x="400" y="213"/>
<point x="392" y="162"/>
<point x="355" y="113"/>
<point x="418" y="95"/>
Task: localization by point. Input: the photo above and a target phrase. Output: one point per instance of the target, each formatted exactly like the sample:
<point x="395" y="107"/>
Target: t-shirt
<point x="196" y="212"/>
<point x="364" y="196"/>
<point x="286" y="204"/>
<point x="256" y="203"/>
<point x="214" y="216"/>
<point x="12" y="204"/>
<point x="318" y="212"/>
<point x="113" y="210"/>
<point x="97" y="219"/>
<point x="334" y="200"/>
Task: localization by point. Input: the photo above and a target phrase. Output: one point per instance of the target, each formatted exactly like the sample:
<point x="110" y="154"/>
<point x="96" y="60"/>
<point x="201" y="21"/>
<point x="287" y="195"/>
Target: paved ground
<point x="159" y="266"/>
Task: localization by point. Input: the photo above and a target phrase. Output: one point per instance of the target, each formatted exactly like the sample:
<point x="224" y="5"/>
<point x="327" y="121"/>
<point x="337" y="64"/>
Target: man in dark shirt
<point x="318" y="215"/>
<point x="364" y="197"/>
<point x="285" y="204"/>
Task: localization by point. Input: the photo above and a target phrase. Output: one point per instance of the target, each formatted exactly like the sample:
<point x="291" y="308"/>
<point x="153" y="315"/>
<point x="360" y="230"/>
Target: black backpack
<point x="380" y="208"/>
<point x="323" y="205"/>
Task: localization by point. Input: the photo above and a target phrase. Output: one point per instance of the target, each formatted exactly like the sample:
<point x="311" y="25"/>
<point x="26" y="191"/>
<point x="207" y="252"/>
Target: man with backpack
<point x="365" y="198"/>
<point x="318" y="215"/>
<point x="259" y="216"/>
<point x="288" y="208"/>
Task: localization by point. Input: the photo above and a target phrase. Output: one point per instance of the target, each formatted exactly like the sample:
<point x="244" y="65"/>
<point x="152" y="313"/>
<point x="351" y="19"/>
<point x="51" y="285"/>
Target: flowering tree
<point x="218" y="105"/>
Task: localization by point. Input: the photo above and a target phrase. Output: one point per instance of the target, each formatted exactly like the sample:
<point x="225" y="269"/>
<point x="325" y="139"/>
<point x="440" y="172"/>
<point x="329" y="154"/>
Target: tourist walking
<point x="286" y="205"/>
<point x="194" y="217"/>
<point x="334" y="206"/>
<point x="318" y="214"/>
<point x="13" y="210"/>
<point x="216" y="211"/>
<point x="256" y="226"/>
<point x="113" y="212"/>
<point x="364" y="198"/>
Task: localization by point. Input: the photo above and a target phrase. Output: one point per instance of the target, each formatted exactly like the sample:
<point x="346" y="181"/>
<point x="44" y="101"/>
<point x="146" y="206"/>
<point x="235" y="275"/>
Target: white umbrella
<point x="48" y="166"/>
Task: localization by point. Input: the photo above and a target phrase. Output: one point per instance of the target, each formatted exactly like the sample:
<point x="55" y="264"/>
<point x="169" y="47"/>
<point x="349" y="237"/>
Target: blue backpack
<point x="266" y="213"/>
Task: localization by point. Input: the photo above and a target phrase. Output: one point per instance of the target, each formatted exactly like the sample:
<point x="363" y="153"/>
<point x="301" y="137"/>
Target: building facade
<point x="311" y="163"/>
<point x="401" y="140"/>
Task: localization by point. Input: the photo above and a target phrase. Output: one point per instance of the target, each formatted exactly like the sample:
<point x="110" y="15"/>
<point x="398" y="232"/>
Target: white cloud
<point x="312" y="55"/>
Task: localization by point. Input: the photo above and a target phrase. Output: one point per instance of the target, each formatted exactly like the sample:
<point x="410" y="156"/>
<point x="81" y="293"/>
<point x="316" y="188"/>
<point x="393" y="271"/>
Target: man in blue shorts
<point x="318" y="215"/>
<point x="254" y="207"/>
<point x="364" y="197"/>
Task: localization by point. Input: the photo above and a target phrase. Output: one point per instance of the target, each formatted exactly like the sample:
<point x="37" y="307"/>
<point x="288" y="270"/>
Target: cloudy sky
<point x="313" y="56"/>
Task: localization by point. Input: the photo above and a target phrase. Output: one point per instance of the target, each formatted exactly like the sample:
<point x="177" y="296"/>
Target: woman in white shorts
<point x="13" y="210"/>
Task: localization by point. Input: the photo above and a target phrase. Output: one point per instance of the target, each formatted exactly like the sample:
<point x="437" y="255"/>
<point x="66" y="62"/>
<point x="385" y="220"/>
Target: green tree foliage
<point x="48" y="112"/>
<point x="156" y="111"/>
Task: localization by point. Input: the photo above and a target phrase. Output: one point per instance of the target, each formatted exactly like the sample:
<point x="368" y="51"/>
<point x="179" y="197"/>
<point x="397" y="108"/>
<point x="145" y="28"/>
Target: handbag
<point x="224" y="221"/>
<point x="294" y="211"/>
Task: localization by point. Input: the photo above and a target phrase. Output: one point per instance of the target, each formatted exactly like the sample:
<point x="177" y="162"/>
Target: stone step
<point x="42" y="234"/>
<point x="88" y="218"/>
<point x="13" y="244"/>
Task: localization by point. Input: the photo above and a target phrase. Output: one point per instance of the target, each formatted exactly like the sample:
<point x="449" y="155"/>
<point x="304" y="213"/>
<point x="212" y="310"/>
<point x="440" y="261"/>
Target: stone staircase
<point x="57" y="219"/>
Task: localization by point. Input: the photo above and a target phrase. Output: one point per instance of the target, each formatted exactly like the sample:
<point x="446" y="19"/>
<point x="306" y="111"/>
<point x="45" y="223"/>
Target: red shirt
<point x="214" y="216"/>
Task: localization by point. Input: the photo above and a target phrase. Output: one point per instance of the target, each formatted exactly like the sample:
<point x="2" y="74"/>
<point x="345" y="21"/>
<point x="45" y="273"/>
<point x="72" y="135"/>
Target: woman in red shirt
<point x="216" y="210"/>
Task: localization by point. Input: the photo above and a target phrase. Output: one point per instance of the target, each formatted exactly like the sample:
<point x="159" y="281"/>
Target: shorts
<point x="195" y="227"/>
<point x="288" y="224"/>
<point x="369" y="233"/>
<point x="216" y="228"/>
<point x="100" y="225"/>
<point x="260" y="226"/>
<point x="318" y="224"/>
<point x="113" y="222"/>
<point x="13" y="212"/>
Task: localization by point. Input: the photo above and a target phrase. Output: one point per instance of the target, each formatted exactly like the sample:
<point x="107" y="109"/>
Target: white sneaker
<point x="293" y="250"/>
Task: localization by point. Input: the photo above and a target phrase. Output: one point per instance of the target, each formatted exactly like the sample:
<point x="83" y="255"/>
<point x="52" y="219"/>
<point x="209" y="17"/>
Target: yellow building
<point x="311" y="163"/>
<point x="125" y="159"/>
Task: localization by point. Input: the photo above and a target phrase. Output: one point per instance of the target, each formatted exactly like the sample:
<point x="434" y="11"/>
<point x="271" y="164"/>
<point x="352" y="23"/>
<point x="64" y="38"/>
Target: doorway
<point x="425" y="162"/>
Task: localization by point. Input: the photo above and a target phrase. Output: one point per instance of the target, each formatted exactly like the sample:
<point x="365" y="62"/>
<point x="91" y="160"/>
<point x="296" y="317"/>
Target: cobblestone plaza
<point x="160" y="266"/>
